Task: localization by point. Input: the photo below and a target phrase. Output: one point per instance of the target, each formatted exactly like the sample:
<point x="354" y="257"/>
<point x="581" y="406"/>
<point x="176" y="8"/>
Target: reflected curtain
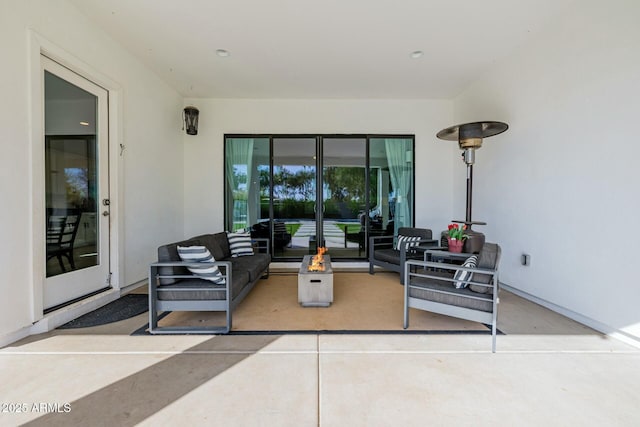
<point x="400" y="169"/>
<point x="240" y="153"/>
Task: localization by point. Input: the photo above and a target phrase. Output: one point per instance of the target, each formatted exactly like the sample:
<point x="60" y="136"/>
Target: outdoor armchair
<point x="468" y="291"/>
<point x="391" y="252"/>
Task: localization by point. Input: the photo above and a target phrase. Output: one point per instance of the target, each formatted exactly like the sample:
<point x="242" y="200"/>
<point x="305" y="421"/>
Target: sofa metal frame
<point x="227" y="304"/>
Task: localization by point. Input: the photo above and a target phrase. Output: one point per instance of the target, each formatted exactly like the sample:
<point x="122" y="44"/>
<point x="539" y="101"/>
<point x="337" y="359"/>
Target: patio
<point x="548" y="370"/>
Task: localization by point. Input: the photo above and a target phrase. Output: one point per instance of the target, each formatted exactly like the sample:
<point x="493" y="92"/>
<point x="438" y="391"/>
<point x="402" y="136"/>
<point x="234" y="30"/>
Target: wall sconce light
<point x="190" y="118"/>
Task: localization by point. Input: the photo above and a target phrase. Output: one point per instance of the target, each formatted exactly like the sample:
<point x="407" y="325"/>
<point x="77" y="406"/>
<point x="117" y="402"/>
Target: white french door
<point x="76" y="183"/>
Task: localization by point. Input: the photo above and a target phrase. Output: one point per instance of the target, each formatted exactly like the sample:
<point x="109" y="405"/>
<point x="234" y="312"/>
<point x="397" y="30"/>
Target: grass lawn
<point x="349" y="227"/>
<point x="293" y="227"/>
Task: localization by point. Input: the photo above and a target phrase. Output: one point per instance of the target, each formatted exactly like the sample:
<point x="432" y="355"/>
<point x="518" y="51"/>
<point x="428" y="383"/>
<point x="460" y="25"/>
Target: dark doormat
<point x="127" y="306"/>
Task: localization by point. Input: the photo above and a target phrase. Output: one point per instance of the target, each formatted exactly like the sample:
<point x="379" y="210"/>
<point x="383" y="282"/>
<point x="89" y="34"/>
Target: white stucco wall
<point x="204" y="189"/>
<point x="151" y="181"/>
<point x="561" y="183"/>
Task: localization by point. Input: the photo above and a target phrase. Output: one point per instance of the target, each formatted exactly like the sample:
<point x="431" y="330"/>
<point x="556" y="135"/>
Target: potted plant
<point x="456" y="237"/>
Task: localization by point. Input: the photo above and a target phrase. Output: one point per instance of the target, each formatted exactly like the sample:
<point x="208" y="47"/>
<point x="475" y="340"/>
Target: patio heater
<point x="469" y="137"/>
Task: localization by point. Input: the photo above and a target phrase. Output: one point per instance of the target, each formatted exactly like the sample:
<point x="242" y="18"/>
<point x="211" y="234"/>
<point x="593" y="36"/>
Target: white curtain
<point x="240" y="153"/>
<point x="400" y="169"/>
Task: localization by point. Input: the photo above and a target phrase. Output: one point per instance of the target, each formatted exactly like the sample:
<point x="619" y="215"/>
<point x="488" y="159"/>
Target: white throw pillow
<point x="201" y="254"/>
<point x="240" y="244"/>
<point x="462" y="277"/>
<point x="413" y="241"/>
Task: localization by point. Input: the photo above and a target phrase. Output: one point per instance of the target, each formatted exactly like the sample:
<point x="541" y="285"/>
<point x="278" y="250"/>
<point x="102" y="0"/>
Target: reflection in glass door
<point x="76" y="186"/>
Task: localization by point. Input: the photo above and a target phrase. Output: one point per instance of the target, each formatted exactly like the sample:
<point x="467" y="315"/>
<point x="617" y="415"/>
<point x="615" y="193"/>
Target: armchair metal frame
<point x="423" y="275"/>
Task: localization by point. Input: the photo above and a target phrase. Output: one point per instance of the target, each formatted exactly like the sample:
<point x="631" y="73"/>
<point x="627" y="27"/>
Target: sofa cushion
<point x="192" y="289"/>
<point x="217" y="244"/>
<point x="254" y="265"/>
<point x="169" y="253"/>
<point x="462" y="277"/>
<point x="239" y="280"/>
<point x="201" y="254"/>
<point x="240" y="244"/>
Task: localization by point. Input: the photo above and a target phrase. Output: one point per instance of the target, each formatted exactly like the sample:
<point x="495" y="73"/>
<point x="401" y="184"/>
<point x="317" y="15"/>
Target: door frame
<point x="40" y="46"/>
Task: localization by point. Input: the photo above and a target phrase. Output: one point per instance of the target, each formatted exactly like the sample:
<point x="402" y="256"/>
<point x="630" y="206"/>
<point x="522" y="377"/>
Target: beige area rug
<point x="362" y="302"/>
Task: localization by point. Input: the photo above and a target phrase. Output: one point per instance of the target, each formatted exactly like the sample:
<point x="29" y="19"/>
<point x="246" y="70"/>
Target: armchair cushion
<point x="488" y="259"/>
<point x="442" y="292"/>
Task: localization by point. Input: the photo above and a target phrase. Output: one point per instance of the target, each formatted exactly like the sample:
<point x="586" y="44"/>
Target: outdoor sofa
<point x="173" y="287"/>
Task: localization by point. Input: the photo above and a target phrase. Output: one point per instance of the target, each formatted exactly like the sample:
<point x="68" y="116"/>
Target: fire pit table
<point x="315" y="281"/>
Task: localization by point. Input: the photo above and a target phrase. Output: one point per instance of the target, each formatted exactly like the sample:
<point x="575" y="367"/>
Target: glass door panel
<point x="247" y="183"/>
<point x="70" y="195"/>
<point x="391" y="185"/>
<point x="294" y="196"/>
<point x="76" y="183"/>
<point x="344" y="196"/>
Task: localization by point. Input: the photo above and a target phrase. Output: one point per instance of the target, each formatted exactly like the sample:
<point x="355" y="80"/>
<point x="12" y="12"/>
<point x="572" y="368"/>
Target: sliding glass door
<point x="306" y="191"/>
<point x="344" y="196"/>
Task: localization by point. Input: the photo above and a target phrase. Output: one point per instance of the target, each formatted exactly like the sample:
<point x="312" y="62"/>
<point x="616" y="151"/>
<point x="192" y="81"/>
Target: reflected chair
<point x="61" y="235"/>
<point x="468" y="291"/>
<point x="391" y="252"/>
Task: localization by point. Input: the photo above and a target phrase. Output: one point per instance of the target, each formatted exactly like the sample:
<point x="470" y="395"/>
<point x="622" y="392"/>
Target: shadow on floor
<point x="138" y="396"/>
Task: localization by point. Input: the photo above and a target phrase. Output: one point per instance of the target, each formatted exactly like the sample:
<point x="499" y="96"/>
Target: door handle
<point x="105" y="213"/>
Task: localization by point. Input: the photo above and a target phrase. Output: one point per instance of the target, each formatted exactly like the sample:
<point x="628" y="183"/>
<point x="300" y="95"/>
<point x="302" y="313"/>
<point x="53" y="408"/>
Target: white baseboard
<point x="134" y="286"/>
<point x="14" y="336"/>
<point x="587" y="321"/>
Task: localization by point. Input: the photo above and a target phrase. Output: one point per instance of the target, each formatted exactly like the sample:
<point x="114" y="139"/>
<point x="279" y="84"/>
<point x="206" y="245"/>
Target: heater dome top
<point x="474" y="130"/>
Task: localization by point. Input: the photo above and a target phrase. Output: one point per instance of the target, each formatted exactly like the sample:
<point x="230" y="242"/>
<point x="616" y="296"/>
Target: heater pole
<point x="469" y="192"/>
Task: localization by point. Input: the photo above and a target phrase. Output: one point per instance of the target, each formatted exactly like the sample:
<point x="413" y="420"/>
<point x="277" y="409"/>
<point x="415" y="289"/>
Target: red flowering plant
<point x="457" y="232"/>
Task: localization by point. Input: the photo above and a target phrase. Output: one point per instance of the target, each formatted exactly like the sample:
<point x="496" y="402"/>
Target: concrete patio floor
<point x="548" y="370"/>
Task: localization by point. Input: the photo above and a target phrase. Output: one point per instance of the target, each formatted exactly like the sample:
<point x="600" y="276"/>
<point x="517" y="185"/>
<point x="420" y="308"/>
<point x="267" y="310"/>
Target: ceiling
<point x="321" y="49"/>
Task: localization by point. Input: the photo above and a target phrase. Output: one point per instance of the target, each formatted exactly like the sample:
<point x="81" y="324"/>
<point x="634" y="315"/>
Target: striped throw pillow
<point x="413" y="241"/>
<point x="240" y="244"/>
<point x="462" y="277"/>
<point x="201" y="254"/>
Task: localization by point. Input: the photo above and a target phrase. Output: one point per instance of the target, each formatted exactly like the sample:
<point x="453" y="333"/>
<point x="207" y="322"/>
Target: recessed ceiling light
<point x="84" y="123"/>
<point x="416" y="54"/>
<point x="222" y="53"/>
